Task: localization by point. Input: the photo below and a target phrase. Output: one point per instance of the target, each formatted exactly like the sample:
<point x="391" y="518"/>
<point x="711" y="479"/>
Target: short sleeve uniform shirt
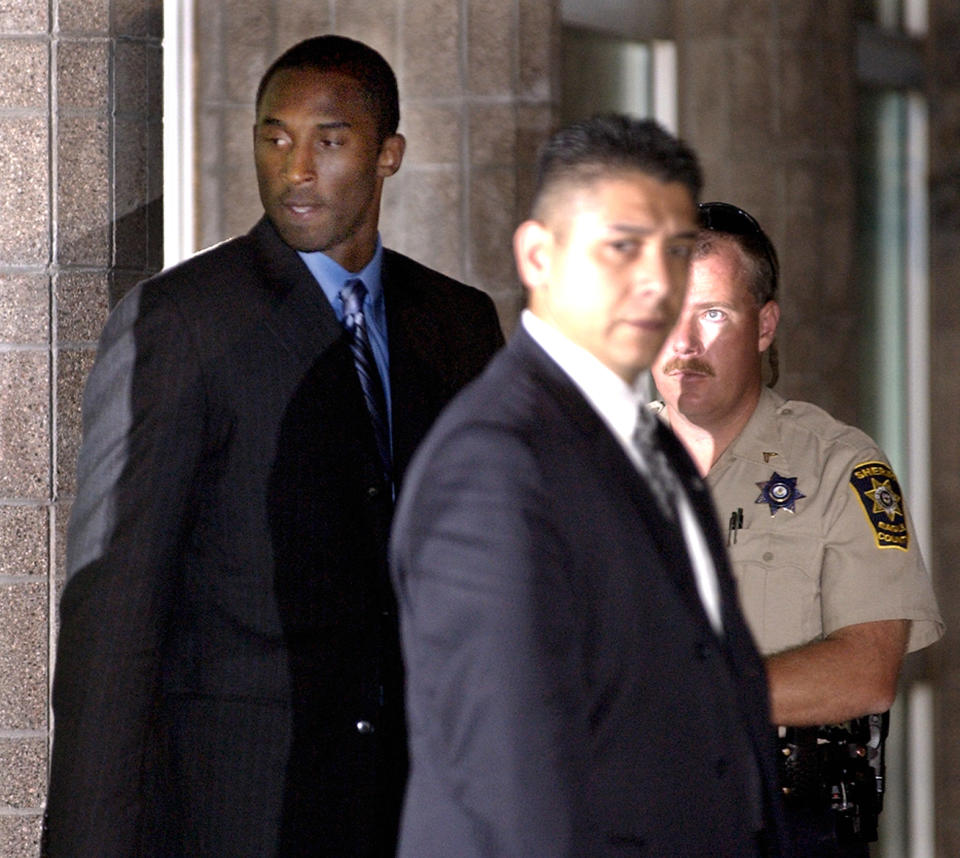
<point x="817" y="529"/>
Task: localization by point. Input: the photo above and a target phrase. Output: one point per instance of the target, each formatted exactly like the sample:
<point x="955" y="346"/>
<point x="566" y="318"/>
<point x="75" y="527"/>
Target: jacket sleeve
<point x="143" y="428"/>
<point x="495" y="673"/>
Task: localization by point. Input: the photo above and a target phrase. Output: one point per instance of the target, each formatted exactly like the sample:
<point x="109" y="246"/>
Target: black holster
<point x="839" y="767"/>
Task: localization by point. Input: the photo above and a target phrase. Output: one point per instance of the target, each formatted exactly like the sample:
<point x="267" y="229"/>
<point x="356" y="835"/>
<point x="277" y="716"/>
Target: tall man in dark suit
<point x="228" y="675"/>
<point x="580" y="678"/>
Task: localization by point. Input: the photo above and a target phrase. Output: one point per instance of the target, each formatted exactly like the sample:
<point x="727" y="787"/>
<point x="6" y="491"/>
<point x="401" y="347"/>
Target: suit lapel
<point x="418" y="390"/>
<point x="736" y="634"/>
<point x="305" y="323"/>
<point x="704" y="507"/>
<point x="665" y="535"/>
<point x="303" y="318"/>
<point x="702" y="502"/>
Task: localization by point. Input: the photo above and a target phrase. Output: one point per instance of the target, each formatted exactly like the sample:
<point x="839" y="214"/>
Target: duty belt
<point x="840" y="767"/>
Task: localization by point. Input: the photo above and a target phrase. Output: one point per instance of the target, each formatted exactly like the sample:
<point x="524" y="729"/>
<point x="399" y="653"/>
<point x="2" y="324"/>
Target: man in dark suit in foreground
<point x="228" y="675"/>
<point x="580" y="678"/>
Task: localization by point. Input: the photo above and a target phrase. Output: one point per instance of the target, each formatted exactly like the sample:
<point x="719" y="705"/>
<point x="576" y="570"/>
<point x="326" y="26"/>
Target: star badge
<point x="779" y="493"/>
<point x="884" y="498"/>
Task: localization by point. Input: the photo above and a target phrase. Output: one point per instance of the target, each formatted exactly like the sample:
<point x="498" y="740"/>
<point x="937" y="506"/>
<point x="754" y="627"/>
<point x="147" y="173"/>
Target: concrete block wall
<point x="767" y="98"/>
<point x="476" y="99"/>
<point x="80" y="129"/>
<point x="944" y="186"/>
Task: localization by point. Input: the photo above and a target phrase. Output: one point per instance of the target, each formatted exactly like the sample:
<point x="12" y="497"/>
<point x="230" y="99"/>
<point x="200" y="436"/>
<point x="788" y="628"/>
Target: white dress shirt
<point x="617" y="404"/>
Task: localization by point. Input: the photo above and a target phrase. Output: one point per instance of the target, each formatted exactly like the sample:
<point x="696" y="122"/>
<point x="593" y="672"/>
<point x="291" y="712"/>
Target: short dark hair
<point x="352" y="58"/>
<point x="593" y="148"/>
<point x="720" y="220"/>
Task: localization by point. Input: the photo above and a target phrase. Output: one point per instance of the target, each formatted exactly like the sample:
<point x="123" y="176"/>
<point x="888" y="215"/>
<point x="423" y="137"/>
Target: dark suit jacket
<point x="566" y="693"/>
<point x="228" y="679"/>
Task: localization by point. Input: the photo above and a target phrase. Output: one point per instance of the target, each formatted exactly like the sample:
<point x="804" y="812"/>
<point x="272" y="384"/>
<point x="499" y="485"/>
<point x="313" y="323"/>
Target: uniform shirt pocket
<point x="778" y="581"/>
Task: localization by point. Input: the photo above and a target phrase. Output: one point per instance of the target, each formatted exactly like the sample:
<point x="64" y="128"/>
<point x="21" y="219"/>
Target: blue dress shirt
<point x="332" y="276"/>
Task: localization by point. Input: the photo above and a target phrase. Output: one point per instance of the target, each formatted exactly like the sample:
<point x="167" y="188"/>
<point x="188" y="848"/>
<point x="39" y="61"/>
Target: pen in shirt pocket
<point x="736" y="523"/>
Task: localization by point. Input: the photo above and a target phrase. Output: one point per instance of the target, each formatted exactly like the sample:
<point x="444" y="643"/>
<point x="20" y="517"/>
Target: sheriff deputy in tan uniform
<point x="829" y="572"/>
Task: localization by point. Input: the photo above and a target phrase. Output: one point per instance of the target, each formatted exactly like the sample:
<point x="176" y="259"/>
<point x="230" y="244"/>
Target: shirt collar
<point x="617" y="404"/>
<point x="332" y="276"/>
<point x="611" y="397"/>
<point x="760" y="433"/>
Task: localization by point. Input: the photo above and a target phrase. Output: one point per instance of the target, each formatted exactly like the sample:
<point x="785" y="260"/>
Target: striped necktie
<point x="663" y="481"/>
<point x="352" y="296"/>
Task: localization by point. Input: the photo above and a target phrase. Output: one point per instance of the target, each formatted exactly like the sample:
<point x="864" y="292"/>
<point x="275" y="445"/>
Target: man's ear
<point x="769" y="318"/>
<point x="391" y="154"/>
<point x="532" y="242"/>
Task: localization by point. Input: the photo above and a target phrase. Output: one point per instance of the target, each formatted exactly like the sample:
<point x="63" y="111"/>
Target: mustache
<point x="676" y="364"/>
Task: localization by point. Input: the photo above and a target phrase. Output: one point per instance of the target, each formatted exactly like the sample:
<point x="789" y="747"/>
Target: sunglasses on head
<point x="732" y="220"/>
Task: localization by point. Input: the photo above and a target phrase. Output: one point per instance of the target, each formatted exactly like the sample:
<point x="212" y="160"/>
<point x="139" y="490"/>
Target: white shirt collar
<point x="617" y="403"/>
<point x="611" y="397"/>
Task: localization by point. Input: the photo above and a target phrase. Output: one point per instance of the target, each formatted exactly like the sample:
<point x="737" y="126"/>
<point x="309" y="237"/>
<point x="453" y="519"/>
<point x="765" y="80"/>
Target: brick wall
<point x="944" y="110"/>
<point x="767" y="97"/>
<point x="81" y="184"/>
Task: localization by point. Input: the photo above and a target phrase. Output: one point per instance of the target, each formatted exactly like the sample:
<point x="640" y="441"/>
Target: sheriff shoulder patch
<point x="876" y="487"/>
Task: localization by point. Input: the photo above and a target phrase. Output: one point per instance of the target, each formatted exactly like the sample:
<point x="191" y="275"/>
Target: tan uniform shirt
<point x="817" y="529"/>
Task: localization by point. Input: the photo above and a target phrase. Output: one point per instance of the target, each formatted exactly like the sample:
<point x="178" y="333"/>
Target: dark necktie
<point x="663" y="481"/>
<point x="352" y="296"/>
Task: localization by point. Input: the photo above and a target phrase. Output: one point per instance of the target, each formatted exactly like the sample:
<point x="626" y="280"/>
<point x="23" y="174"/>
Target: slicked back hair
<point x="331" y="53"/>
<point x="607" y="144"/>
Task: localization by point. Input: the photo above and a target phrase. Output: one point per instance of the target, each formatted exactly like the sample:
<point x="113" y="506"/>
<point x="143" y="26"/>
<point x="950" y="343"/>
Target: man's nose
<point x="685" y="337"/>
<point x="298" y="165"/>
<point x="653" y="272"/>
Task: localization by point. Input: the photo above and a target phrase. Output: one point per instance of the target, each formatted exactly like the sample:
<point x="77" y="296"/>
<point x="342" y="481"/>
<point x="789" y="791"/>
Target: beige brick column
<point x="80" y="172"/>
<point x="944" y="112"/>
<point x="767" y="98"/>
<point x="476" y="90"/>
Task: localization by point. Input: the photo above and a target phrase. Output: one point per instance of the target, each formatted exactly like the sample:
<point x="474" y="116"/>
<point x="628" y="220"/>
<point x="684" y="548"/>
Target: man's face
<point x="608" y="267"/>
<point x="320" y="166"/>
<point x="710" y="367"/>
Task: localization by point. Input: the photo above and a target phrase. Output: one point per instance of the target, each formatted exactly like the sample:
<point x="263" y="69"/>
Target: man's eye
<point x="626" y="245"/>
<point x="681" y="251"/>
<point x="714" y="315"/>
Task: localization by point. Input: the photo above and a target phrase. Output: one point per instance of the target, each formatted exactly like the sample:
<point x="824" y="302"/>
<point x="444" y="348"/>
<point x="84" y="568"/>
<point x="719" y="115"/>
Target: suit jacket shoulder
<point x="224" y="279"/>
<point x="427" y="284"/>
<point x="441" y="334"/>
<point x="432" y="311"/>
